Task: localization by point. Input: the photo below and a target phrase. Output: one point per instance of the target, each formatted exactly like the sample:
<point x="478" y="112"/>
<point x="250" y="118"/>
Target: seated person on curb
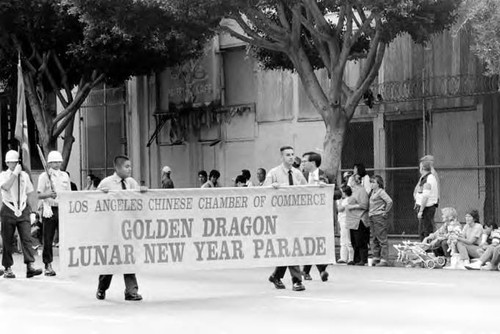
<point x="439" y="240"/>
<point x="489" y="259"/>
<point x="468" y="243"/>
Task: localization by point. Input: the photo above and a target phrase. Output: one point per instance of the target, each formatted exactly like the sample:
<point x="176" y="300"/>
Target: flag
<point x="21" y="131"/>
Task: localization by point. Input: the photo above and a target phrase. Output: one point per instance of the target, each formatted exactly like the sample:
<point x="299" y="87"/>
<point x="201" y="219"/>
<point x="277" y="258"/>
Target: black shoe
<point x="1" y="272"/>
<point x="100" y="294"/>
<point x="360" y="263"/>
<point x="278" y="284"/>
<point x="133" y="296"/>
<point x="49" y="271"/>
<point x="350" y="263"/>
<point x="8" y="273"/>
<point x="341" y="262"/>
<point x="31" y="271"/>
<point x="307" y="277"/>
<point x="324" y="276"/>
<point x="298" y="286"/>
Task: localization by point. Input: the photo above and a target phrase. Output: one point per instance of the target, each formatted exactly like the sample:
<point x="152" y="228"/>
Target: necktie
<point x="124" y="185"/>
<point x="290" y="177"/>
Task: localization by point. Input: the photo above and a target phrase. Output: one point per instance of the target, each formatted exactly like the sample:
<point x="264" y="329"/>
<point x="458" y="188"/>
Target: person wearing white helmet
<point x="166" y="181"/>
<point x="15" y="214"/>
<point x="48" y="187"/>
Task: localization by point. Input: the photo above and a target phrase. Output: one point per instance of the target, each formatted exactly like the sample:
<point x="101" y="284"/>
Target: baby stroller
<point x="415" y="253"/>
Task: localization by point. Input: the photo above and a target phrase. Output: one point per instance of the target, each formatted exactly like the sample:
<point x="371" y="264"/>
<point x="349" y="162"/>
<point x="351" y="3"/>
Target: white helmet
<point x="54" y="156"/>
<point x="12" y="156"/>
<point x="166" y="169"/>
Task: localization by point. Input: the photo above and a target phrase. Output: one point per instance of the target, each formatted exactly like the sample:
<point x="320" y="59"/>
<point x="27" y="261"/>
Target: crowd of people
<point x="362" y="206"/>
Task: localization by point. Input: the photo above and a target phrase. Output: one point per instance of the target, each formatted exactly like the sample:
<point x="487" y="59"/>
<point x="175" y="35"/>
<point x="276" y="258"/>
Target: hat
<point x="166" y="169"/>
<point x="12" y="156"/>
<point x="54" y="156"/>
<point x="429" y="158"/>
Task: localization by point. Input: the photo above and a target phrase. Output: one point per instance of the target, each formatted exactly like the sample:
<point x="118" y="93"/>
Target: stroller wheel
<point x="498" y="266"/>
<point x="441" y="261"/>
<point x="430" y="264"/>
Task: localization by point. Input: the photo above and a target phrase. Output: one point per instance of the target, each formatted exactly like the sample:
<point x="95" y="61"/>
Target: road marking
<point x="415" y="283"/>
<point x="319" y="299"/>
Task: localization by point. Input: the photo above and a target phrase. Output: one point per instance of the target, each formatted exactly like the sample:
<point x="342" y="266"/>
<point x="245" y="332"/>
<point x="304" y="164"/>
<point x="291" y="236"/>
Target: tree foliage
<point x="65" y="44"/>
<point x="482" y="19"/>
<point x="305" y="35"/>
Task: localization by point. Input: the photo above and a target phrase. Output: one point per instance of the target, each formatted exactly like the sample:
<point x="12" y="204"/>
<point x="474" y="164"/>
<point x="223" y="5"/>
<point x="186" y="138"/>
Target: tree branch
<point x="280" y="9"/>
<point x="264" y="22"/>
<point x="64" y="77"/>
<point x="296" y="25"/>
<point x="44" y="68"/>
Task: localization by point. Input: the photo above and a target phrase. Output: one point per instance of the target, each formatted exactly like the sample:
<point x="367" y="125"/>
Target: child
<point x="346" y="250"/>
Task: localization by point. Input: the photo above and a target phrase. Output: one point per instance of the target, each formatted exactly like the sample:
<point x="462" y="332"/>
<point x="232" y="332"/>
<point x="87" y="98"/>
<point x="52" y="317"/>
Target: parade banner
<point x="132" y="231"/>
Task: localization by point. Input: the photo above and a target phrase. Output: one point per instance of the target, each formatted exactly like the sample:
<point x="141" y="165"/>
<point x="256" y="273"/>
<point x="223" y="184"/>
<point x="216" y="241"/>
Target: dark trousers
<point x="426" y="224"/>
<point x="378" y="234"/>
<point x="441" y="248"/>
<point x="9" y="225"/>
<point x="130" y="283"/>
<point x="50" y="226"/>
<point x="279" y="272"/>
<point x="321" y="268"/>
<point x="360" y="239"/>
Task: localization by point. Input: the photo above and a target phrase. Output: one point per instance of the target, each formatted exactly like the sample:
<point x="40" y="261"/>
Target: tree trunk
<point x="336" y="126"/>
<point x="68" y="143"/>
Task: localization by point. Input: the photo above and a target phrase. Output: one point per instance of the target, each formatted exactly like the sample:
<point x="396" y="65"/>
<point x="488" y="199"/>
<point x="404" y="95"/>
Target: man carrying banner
<point x="15" y="213"/>
<point x="120" y="180"/>
<point x="286" y="175"/>
<point x="49" y="184"/>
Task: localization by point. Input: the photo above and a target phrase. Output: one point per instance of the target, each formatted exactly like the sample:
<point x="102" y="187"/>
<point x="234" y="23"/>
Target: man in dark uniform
<point x="120" y="180"/>
<point x="15" y="214"/>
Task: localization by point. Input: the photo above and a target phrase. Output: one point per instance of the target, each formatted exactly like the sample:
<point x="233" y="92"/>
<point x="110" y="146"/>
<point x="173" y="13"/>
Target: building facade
<point x="224" y="112"/>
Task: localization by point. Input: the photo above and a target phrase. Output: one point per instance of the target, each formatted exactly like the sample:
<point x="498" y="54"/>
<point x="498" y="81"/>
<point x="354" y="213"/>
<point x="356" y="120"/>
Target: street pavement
<point x="354" y="300"/>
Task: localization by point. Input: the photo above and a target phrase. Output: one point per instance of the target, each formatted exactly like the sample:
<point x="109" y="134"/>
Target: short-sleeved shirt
<point x="60" y="180"/>
<point x="280" y="175"/>
<point x="10" y="196"/>
<point x="432" y="194"/>
<point x="473" y="233"/>
<point x="113" y="182"/>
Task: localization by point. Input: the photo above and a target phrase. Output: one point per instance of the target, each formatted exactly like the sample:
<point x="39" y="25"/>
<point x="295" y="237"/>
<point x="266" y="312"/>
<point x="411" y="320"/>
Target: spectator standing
<point x="380" y="205"/>
<point x="314" y="176"/>
<point x="426" y="200"/>
<point x="261" y="176"/>
<point x="346" y="250"/>
<point x="430" y="159"/>
<point x="357" y="221"/>
<point x="286" y="175"/>
<point x="202" y="177"/>
<point x="359" y="169"/>
<point x="246" y="174"/>
<point x="213" y="178"/>
<point x="166" y="180"/>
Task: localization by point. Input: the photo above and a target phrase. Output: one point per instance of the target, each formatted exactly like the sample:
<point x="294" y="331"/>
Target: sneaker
<point x="307" y="277"/>
<point x="31" y="271"/>
<point x="324" y="276"/>
<point x="341" y="262"/>
<point x="49" y="271"/>
<point x="100" y="294"/>
<point x="278" y="284"/>
<point x="489" y="267"/>
<point x="298" y="286"/>
<point x="133" y="297"/>
<point x="474" y="266"/>
<point x="8" y="273"/>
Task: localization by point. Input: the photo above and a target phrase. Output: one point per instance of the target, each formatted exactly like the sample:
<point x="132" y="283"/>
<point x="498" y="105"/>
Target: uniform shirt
<point x="113" y="182"/>
<point x="313" y="177"/>
<point x="432" y="194"/>
<point x="280" y="175"/>
<point x="354" y="216"/>
<point x="60" y="180"/>
<point x="10" y="196"/>
<point x="380" y="203"/>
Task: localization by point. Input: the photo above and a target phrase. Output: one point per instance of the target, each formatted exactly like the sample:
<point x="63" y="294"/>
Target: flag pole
<point x="20" y="151"/>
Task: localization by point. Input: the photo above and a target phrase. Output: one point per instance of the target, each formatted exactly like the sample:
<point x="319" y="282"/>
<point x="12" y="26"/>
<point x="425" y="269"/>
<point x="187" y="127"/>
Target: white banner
<point x="129" y="231"/>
